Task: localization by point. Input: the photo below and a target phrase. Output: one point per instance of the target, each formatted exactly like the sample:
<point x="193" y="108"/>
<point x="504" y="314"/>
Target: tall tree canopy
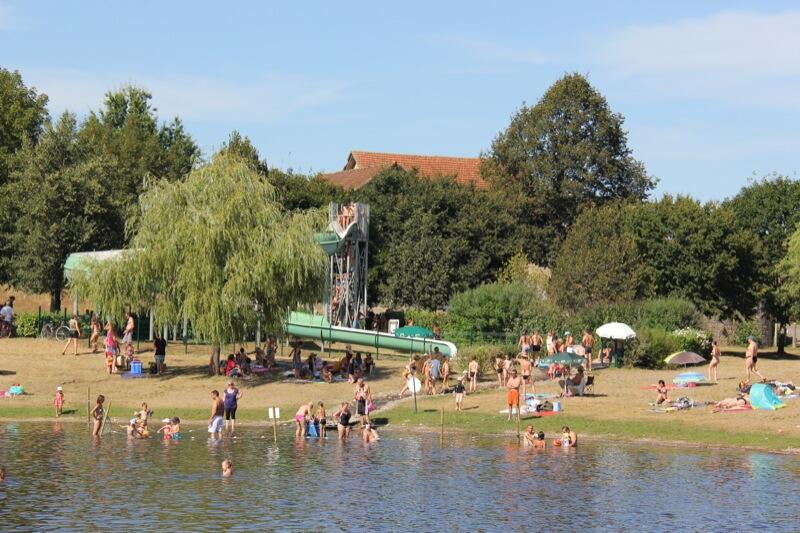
<point x="566" y="153"/>
<point x="126" y="130"/>
<point x="59" y="205"/>
<point x="224" y="265"/>
<point x="432" y="238"/>
<point x="769" y="209"/>
<point x="673" y="247"/>
<point x="23" y="113"/>
<point x="598" y="261"/>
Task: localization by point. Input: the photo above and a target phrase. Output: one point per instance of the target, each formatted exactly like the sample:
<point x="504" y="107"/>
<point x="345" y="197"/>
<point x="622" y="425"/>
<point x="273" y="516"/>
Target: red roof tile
<point x="361" y="167"/>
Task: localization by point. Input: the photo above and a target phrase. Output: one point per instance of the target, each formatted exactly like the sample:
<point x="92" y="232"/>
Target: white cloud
<point x="743" y="57"/>
<point x="259" y="98"/>
<point x="492" y="51"/>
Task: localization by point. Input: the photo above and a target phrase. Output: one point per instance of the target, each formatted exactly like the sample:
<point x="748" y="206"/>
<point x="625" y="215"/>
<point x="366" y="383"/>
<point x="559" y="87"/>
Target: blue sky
<point x="710" y="90"/>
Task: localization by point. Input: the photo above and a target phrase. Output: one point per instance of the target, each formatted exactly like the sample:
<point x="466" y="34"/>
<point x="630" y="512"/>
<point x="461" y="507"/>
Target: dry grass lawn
<point x="38" y="365"/>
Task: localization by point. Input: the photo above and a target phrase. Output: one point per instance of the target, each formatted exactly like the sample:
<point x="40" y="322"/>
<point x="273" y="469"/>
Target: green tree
<point x="566" y="153"/>
<point x="788" y="272"/>
<point x="23" y="113"/>
<point x="242" y="147"/>
<point x="695" y="251"/>
<point x="432" y="238"/>
<point x="126" y="131"/>
<point x="218" y="249"/>
<point x="769" y="209"/>
<point x="598" y="261"/>
<point x="59" y="206"/>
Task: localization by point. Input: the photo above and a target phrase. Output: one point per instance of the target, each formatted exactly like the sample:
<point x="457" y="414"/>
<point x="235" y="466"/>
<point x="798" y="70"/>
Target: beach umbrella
<point x="564" y="358"/>
<point x="414" y="331"/>
<point x="684" y="358"/>
<point x="616" y="331"/>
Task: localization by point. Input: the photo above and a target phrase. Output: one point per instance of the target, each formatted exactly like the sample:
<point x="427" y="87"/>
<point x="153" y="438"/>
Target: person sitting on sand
<point x="540" y="443"/>
<point x="227" y="468"/>
<point x="326" y="374"/>
<point x="529" y="436"/>
<point x="661" y="390"/>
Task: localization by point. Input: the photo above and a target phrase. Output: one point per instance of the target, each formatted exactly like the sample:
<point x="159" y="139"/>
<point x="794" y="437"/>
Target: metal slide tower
<point x="346" y="243"/>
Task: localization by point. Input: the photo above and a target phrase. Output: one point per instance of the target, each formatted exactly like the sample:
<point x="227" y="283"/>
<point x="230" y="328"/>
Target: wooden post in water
<point x="105" y="417"/>
<point x="273" y="413"/>
<point x="441" y="434"/>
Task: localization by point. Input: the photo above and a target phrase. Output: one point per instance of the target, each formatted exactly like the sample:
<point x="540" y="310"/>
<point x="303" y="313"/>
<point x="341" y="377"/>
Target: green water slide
<point x="308" y="326"/>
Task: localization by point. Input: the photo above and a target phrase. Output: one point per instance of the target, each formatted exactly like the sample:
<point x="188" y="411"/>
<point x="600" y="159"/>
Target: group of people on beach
<point x="307" y="419"/>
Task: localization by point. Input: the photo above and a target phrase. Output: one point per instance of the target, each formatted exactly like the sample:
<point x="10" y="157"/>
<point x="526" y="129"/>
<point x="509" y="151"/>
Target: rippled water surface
<point x="58" y="479"/>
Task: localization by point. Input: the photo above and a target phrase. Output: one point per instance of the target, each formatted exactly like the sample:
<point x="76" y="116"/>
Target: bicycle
<point x="58" y="331"/>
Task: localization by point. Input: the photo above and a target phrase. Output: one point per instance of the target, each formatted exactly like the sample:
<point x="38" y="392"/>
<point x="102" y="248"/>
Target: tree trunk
<point x="766" y="325"/>
<point x="55" y="300"/>
<point x="781" y="338"/>
<point x="214" y="363"/>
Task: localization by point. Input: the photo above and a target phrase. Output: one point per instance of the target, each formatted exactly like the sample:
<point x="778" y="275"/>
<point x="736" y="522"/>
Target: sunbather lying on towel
<point x="732" y="403"/>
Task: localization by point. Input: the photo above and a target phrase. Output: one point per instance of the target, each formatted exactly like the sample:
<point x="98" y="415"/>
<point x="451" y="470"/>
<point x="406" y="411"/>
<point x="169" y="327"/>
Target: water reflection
<point x="60" y="479"/>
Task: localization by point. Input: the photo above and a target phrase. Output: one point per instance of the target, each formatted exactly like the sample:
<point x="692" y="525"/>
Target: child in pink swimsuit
<point x="58" y="401"/>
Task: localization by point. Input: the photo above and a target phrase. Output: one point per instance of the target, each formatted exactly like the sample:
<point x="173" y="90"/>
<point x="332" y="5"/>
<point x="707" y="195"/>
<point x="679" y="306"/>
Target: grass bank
<point x="618" y="409"/>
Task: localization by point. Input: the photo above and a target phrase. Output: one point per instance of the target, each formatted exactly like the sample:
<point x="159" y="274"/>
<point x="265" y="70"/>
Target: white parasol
<point x="616" y="331"/>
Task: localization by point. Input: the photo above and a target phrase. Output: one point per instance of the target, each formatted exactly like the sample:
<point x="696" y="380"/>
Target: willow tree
<point x="217" y="249"/>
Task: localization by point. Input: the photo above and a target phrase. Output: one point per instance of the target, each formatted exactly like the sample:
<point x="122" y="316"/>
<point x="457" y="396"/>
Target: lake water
<point x="58" y="479"/>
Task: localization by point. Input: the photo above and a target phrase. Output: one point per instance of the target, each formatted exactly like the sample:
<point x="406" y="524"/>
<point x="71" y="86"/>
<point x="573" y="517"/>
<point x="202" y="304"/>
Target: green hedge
<point x="652" y="345"/>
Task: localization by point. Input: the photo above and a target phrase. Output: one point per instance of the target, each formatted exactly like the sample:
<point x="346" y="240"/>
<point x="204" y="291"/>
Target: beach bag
<point x="370" y="407"/>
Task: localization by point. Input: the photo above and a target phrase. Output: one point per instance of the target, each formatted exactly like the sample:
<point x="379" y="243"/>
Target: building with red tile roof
<point x="361" y="167"/>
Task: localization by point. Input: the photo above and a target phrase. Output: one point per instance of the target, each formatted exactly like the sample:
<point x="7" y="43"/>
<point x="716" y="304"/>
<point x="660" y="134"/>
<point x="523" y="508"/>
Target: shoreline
<point x="387" y="424"/>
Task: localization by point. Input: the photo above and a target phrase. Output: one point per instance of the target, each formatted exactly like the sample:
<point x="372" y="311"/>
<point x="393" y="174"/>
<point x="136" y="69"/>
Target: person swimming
<point x="227" y="468"/>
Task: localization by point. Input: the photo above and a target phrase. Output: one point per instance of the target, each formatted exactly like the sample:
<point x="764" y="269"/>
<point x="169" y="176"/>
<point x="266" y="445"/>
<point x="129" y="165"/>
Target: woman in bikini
<point x="97" y="415"/>
<point x="499" y="363"/>
<point x="712" y="367"/>
<point x="323" y="420"/>
<point x="300" y="419"/>
<point x="95" y="325"/>
<point x="525" y="342"/>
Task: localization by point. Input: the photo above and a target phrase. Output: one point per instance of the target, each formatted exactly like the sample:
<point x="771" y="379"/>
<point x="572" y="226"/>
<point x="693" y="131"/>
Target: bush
<point x="693" y="340"/>
<point x="491" y="310"/>
<point x="650" y="347"/>
<point x="747" y="329"/>
<point x="424" y="318"/>
<point x="485" y="354"/>
<point x="667" y="313"/>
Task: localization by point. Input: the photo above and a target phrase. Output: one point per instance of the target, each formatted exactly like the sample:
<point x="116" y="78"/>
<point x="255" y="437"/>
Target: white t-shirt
<point x="7" y="312"/>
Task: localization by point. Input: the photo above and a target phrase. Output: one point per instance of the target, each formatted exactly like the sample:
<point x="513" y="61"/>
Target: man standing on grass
<point x="127" y="334"/>
<point x="751" y="358"/>
<point x="514" y="382"/>
<point x="588" y="342"/>
<point x="159" y="352"/>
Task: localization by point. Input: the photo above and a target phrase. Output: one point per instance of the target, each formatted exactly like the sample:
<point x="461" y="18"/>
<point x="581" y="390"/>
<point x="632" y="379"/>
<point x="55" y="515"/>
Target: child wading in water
<point x="227" y="468"/>
<point x="58" y="402"/>
<point x="97" y="415"/>
<point x="322" y="419"/>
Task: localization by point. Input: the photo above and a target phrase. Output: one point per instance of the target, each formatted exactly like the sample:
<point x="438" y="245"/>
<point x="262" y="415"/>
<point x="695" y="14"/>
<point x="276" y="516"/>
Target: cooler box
<point x="136" y="366"/>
